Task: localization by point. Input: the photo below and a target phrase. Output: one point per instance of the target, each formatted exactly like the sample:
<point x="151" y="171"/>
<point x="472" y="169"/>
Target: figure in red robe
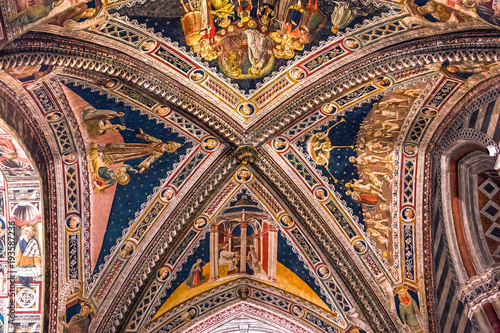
<point x="196" y="274"/>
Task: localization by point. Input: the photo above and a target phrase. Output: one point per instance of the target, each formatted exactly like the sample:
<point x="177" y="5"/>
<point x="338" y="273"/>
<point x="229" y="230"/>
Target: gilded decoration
<point x="282" y="166"/>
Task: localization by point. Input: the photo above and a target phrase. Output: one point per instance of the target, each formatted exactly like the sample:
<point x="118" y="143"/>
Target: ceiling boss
<point x="247" y="36"/>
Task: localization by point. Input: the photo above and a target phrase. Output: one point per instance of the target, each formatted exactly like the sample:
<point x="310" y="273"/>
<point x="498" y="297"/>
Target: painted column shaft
<point x="243" y="248"/>
<point x="214" y="254"/>
<point x="273" y="254"/>
<point x="482" y="320"/>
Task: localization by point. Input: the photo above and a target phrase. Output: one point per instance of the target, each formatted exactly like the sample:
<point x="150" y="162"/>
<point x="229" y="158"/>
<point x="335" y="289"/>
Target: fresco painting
<point x="221" y="256"/>
<point x="21" y="239"/>
<point x="249" y="40"/>
<point x="57" y="11"/>
<point x="361" y="169"/>
<point x="77" y="322"/>
<point x="242" y="238"/>
<point x="122" y="159"/>
<point x="374" y="160"/>
<point x="407" y="306"/>
<point x="265" y="156"/>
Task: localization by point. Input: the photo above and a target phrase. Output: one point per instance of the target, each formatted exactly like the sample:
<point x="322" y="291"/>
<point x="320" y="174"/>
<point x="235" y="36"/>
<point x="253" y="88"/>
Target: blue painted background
<point x="128" y="198"/>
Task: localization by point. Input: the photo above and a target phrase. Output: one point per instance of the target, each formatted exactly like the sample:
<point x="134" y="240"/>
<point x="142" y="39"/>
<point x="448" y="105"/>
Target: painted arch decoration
<point x="21" y="240"/>
<point x="199" y="162"/>
<point x="277" y="255"/>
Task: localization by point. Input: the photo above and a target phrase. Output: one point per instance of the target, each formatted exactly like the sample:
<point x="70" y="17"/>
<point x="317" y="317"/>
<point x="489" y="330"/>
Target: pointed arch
<point x="24" y="124"/>
<point x="443" y="223"/>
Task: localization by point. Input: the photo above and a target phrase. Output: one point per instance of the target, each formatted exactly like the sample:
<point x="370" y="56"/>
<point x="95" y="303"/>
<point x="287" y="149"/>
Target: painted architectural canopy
<point x="249" y="166"/>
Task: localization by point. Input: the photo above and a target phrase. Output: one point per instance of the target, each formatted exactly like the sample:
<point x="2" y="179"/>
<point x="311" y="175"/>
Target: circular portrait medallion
<point x="321" y="193"/>
<point x="148" y="45"/>
<point x="243" y="175"/>
<point x="297" y="310"/>
<point x="163" y="274"/>
<point x="286" y="221"/>
<point x="279" y="144"/>
<point x="73" y="222"/>
<point x="408" y="214"/>
<point x="163" y="110"/>
<point x="210" y="143"/>
<point x="167" y="194"/>
<point x="410" y="149"/>
<point x="428" y="112"/>
<point x="382" y="81"/>
<point x="297" y="74"/>
<point x="69" y="157"/>
<point x="359" y="246"/>
<point x="246" y="109"/>
<point x="200" y="222"/>
<point x="351" y="43"/>
<point x="329" y="108"/>
<point x="111" y="83"/>
<point x="126" y="251"/>
<point x="197" y="75"/>
<point x="323" y="272"/>
<point x="54" y="116"/>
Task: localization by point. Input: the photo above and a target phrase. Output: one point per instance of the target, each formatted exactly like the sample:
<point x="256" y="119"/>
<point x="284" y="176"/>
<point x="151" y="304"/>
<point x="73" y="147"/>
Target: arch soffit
<point x="450" y="165"/>
<point x="247" y="309"/>
<point x="16" y="111"/>
<point x="468" y="169"/>
<point x="441" y="134"/>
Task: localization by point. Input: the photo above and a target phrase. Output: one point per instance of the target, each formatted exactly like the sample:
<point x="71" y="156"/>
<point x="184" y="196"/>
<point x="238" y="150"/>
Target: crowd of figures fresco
<point x="257" y="190"/>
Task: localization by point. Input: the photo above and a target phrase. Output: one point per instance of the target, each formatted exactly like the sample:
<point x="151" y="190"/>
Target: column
<point x="272" y="252"/>
<point x="481" y="318"/>
<point x="496" y="304"/>
<point x="214" y="253"/>
<point x="256" y="247"/>
<point x="261" y="248"/>
<point x="243" y="246"/>
<point x="492" y="316"/>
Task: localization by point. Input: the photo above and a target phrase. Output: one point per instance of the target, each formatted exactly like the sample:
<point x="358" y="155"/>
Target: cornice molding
<point x="480" y="288"/>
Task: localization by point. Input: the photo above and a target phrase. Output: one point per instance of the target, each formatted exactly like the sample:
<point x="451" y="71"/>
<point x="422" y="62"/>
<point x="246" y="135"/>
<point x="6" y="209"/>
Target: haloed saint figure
<point x="408" y="309"/>
<point x="196" y="274"/>
<point x="80" y="322"/>
<point x="27" y="255"/>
